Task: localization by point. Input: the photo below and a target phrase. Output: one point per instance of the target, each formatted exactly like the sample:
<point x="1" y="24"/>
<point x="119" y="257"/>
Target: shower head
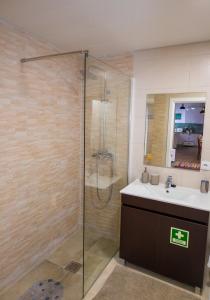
<point x="93" y="73"/>
<point x="106" y="98"/>
<point x="88" y="74"/>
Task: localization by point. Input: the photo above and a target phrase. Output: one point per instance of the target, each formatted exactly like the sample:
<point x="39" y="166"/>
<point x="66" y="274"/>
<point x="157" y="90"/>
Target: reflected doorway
<point x="187" y="133"/>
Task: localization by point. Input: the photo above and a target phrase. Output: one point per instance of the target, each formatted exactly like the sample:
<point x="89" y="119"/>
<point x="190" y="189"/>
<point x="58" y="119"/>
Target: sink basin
<point x="179" y="195"/>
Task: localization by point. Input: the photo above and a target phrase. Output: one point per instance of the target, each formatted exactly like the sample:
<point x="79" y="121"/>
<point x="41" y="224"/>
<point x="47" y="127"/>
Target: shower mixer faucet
<point x="102" y="154"/>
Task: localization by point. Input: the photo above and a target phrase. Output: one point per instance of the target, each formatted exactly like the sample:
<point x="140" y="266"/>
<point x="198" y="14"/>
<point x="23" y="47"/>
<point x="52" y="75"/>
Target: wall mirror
<point x="174" y="130"/>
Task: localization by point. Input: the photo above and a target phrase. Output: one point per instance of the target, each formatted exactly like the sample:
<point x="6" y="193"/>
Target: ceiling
<point x="110" y="27"/>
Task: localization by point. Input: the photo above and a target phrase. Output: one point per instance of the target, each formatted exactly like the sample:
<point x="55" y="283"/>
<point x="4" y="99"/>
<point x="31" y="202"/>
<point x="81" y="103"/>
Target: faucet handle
<point x="169" y="181"/>
<point x="169" y="178"/>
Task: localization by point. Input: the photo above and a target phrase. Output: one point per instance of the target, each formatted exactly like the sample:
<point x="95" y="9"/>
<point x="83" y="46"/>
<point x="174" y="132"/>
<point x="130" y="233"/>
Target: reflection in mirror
<point x="174" y="130"/>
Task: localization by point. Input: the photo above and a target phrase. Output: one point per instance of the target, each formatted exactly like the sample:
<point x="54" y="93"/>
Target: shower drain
<point x="73" y="267"/>
<point x="44" y="290"/>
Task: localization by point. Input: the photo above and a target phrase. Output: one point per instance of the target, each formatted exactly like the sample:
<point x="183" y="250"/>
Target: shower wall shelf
<point x="104" y="181"/>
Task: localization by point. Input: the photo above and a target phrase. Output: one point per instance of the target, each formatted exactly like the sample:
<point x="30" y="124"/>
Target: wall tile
<point x="40" y="108"/>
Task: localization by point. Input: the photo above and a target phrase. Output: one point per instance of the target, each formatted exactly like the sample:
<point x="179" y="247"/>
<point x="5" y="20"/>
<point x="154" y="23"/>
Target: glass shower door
<point x="40" y="217"/>
<point x="106" y="163"/>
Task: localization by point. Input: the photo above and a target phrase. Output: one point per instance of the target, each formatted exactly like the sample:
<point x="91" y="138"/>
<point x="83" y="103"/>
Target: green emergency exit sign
<point x="179" y="237"/>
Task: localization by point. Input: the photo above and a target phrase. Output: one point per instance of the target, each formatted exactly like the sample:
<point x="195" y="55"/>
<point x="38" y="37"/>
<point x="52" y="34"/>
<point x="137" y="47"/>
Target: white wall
<point x="169" y="70"/>
<point x="194" y="116"/>
<point x="189" y="115"/>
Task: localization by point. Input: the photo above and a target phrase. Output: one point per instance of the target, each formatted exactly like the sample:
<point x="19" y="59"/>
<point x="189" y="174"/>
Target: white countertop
<point x="180" y="195"/>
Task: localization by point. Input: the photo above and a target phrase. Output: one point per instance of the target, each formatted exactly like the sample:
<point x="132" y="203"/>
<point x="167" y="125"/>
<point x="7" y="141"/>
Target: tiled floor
<point x="96" y="259"/>
<point x="187" y="154"/>
<point x="97" y="255"/>
<point x="116" y="261"/>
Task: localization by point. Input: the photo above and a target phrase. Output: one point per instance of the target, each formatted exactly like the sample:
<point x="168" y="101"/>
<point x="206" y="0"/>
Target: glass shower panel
<point x="106" y="163"/>
<point x="42" y="240"/>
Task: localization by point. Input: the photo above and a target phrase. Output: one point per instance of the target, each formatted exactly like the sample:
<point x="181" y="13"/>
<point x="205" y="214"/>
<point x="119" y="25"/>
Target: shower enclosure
<point x="64" y="230"/>
<point x="106" y="163"/>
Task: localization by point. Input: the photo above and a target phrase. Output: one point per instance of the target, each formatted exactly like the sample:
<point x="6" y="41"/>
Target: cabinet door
<point x="138" y="237"/>
<point x="185" y="264"/>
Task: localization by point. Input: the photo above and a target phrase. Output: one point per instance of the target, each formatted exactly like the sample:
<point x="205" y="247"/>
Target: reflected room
<point x="174" y="130"/>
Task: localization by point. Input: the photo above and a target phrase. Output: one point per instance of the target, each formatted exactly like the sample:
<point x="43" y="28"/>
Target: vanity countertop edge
<point x="200" y="201"/>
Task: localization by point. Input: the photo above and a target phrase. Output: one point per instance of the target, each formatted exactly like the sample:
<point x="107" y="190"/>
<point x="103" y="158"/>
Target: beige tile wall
<point x="157" y="130"/>
<point x="124" y="63"/>
<point x="180" y="69"/>
<point x="40" y="129"/>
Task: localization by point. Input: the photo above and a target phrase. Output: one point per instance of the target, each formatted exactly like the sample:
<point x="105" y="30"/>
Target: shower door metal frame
<point x="24" y="60"/>
<point x="85" y="53"/>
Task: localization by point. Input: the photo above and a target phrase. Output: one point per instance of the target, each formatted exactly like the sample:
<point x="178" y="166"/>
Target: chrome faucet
<point x="168" y="182"/>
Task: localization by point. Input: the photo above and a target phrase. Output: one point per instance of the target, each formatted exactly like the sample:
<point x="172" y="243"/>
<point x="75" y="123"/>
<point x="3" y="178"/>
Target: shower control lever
<point x="102" y="154"/>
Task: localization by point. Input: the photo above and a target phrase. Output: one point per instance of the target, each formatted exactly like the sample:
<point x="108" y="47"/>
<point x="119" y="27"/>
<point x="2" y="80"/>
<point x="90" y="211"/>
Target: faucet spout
<point x="168" y="182"/>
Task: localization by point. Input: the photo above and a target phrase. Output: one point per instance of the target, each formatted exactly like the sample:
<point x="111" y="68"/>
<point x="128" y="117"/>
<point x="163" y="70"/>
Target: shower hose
<point x="103" y="200"/>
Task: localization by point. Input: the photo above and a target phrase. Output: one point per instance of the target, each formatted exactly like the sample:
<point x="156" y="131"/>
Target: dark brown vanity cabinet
<point x="146" y="238"/>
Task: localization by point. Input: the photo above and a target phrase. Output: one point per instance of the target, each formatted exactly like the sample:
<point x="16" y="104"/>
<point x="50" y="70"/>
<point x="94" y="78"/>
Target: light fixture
<point x="182" y="106"/>
<point x="203" y="109"/>
<point x="192" y="107"/>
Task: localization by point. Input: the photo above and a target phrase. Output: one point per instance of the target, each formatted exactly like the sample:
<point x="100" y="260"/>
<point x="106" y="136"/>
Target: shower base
<point x="44" y="290"/>
<point x="97" y="255"/>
